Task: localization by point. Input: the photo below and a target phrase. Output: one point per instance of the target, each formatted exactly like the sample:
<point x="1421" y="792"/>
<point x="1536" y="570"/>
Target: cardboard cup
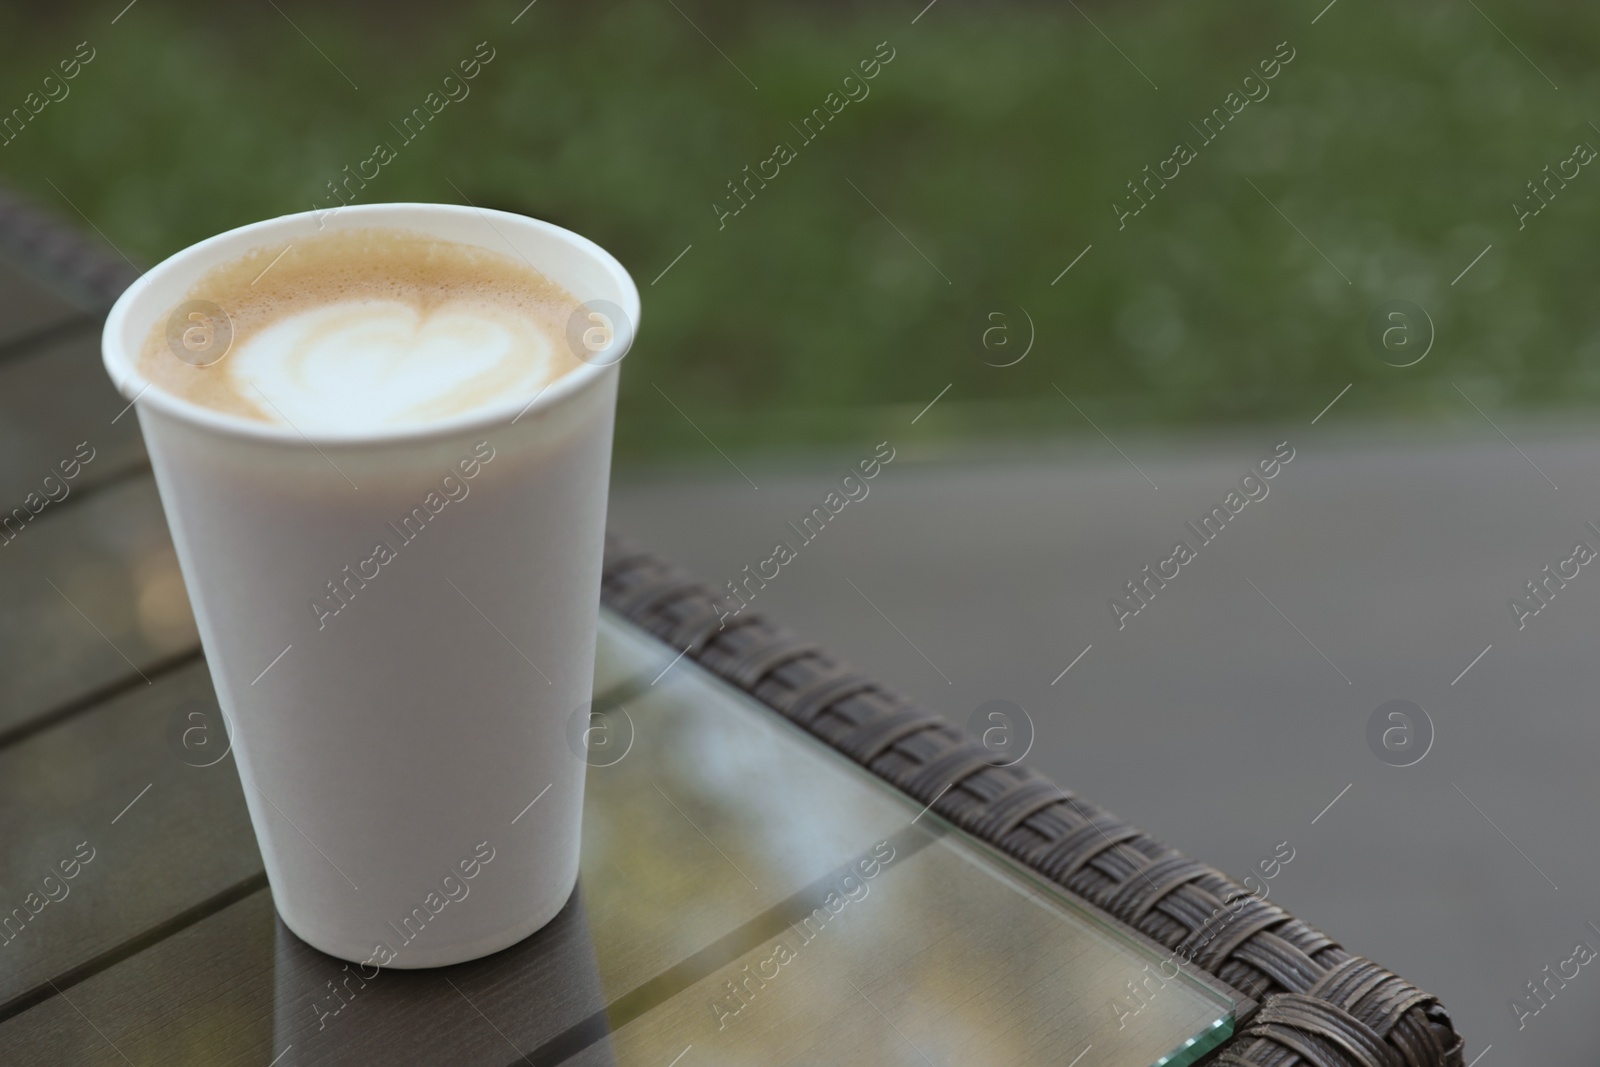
<point x="400" y="625"/>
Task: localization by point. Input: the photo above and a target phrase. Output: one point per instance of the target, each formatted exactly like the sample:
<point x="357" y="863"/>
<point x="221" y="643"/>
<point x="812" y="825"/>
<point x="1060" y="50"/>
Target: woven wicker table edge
<point x="90" y="273"/>
<point x="1319" y="1005"/>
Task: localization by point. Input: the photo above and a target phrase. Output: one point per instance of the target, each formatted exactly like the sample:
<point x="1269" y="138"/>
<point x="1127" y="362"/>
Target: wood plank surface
<point x="239" y="988"/>
<point x="28" y="308"/>
<point x="92" y="603"/>
<point x="60" y="415"/>
<point x="116" y="785"/>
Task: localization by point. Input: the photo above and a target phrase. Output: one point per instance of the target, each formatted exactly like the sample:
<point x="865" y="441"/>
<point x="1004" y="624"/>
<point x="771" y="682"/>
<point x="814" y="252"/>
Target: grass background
<point x="996" y="141"/>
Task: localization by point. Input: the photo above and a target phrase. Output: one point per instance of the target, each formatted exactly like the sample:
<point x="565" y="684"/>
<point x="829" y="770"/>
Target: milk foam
<point x="363" y="331"/>
<point x="371" y="365"/>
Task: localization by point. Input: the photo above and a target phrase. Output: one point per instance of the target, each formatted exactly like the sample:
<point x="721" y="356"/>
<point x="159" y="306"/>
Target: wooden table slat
<point x="239" y="988"/>
<point x="57" y="406"/>
<point x="28" y="308"/>
<point x="161" y="835"/>
<point x="92" y="597"/>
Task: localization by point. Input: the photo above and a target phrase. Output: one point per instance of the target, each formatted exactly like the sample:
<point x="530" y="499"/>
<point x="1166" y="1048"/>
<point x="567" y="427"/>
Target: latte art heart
<point x="358" y="332"/>
<point x="376" y="364"/>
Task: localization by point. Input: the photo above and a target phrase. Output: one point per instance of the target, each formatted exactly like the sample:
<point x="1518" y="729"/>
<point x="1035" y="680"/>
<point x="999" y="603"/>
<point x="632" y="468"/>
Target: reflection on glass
<point x="757" y="898"/>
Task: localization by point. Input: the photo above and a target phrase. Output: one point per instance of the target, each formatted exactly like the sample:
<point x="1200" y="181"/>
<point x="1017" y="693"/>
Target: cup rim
<point x="122" y="365"/>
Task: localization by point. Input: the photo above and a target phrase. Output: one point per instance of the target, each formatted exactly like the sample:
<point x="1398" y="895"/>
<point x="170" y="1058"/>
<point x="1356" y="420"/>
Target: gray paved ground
<point x="1220" y="724"/>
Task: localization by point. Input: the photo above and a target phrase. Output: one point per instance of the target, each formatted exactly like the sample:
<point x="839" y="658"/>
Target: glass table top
<point x="778" y="904"/>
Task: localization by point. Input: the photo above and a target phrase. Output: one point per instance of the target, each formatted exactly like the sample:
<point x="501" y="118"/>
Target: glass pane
<point x="755" y="897"/>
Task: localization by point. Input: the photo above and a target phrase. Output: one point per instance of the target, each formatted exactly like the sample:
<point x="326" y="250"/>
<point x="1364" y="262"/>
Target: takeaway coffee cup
<point x="402" y="748"/>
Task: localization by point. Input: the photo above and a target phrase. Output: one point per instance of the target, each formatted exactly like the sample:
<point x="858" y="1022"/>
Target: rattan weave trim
<point x="1284" y="963"/>
<point x="62" y="252"/>
<point x="806" y="703"/>
<point x="1321" y="1032"/>
<point x="1320" y="1006"/>
<point x="874" y="737"/>
<point x="1138" y="895"/>
<point x="1078" y="848"/>
<point x="761" y="662"/>
<point x="1021" y="801"/>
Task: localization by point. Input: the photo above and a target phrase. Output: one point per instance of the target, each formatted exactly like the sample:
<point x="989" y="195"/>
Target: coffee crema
<point x="363" y="330"/>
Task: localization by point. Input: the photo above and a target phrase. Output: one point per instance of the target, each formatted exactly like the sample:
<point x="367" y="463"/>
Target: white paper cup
<point x="389" y="750"/>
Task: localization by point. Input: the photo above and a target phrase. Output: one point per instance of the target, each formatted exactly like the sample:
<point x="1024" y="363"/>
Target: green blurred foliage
<point x="996" y="141"/>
